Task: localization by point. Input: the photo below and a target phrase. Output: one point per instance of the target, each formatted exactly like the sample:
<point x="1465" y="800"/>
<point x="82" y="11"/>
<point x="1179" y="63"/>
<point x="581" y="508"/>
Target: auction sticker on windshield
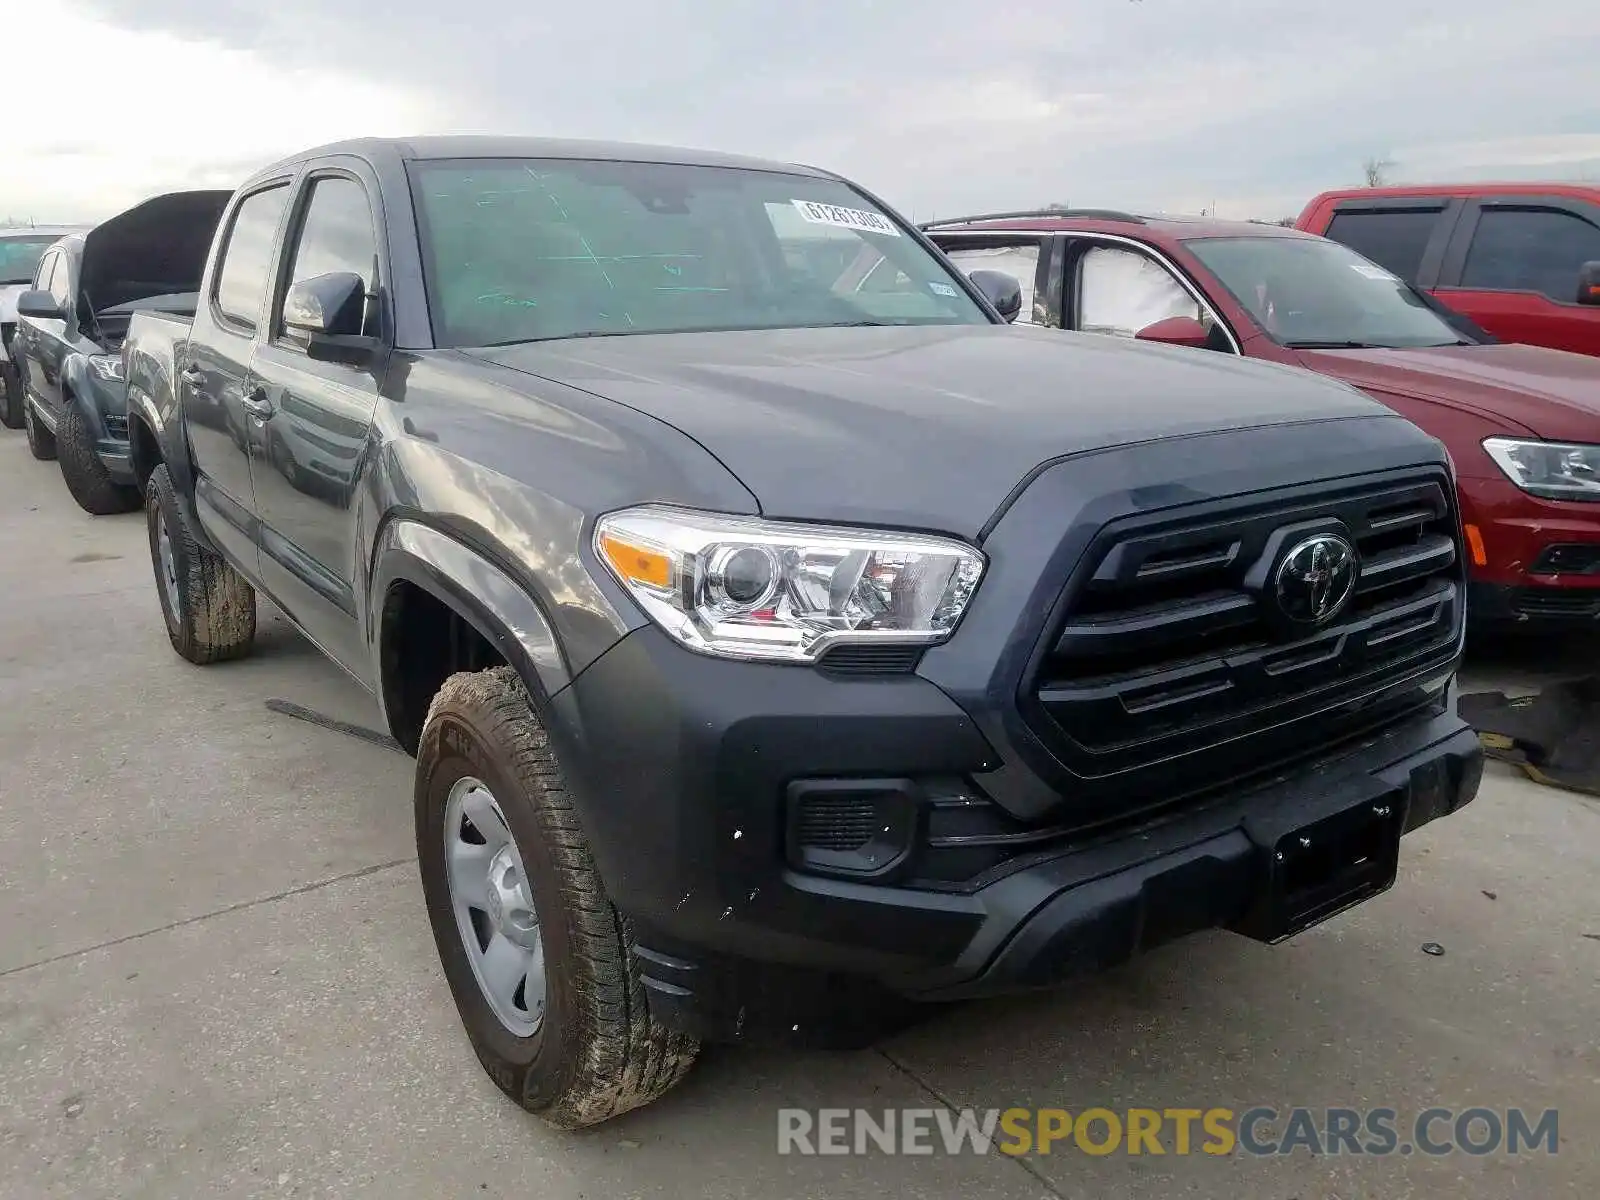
<point x="845" y="218"/>
<point x="1372" y="271"/>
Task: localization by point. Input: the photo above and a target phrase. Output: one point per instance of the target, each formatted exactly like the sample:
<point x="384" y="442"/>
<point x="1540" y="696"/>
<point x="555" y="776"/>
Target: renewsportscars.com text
<point x="1259" y="1131"/>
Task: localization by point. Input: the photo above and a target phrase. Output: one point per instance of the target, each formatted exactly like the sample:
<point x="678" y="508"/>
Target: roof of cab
<point x="479" y="146"/>
<point x="1400" y="191"/>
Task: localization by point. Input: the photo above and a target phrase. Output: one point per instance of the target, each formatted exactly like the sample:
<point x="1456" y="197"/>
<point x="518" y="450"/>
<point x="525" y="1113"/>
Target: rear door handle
<point x="257" y="404"/>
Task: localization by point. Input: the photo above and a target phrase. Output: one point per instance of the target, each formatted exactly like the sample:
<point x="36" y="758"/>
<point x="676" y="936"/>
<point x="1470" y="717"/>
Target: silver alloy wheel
<point x="494" y="909"/>
<point x="169" y="565"/>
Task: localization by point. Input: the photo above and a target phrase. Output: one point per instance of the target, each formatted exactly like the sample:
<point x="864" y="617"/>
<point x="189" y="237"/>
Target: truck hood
<point x="156" y="248"/>
<point x="923" y="427"/>
<point x="1550" y="393"/>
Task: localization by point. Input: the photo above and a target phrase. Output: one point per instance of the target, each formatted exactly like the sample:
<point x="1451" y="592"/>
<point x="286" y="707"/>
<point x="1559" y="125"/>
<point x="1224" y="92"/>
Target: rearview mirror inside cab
<point x="1589" y="283"/>
<point x="1001" y="290"/>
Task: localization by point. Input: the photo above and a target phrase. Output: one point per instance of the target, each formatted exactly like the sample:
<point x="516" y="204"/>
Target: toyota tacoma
<point x="782" y="646"/>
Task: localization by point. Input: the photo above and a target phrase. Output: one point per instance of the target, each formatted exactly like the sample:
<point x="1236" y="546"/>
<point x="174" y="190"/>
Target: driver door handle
<point x="257" y="404"/>
<point x="193" y="376"/>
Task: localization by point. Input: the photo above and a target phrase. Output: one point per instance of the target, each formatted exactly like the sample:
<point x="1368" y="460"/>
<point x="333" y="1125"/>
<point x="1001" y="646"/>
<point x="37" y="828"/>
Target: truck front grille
<point x="1172" y="668"/>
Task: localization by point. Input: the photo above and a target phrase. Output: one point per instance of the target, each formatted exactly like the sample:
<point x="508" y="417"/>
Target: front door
<point x="312" y="445"/>
<point x="213" y="373"/>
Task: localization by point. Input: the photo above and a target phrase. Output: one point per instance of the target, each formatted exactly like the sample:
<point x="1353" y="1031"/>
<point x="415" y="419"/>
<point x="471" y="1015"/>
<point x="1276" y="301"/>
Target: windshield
<point x="1309" y="293"/>
<point x="19" y="256"/>
<point x="527" y="249"/>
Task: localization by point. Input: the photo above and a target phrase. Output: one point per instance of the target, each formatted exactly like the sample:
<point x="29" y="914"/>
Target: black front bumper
<point x="680" y="765"/>
<point x="1498" y="607"/>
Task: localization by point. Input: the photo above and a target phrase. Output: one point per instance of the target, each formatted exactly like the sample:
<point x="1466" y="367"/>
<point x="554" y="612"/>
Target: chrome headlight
<point x="1552" y="470"/>
<point x="740" y="587"/>
<point x="107" y="367"/>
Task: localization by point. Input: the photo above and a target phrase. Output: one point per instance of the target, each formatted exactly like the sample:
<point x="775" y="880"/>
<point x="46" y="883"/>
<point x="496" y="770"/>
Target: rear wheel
<point x="41" y="442"/>
<point x="539" y="962"/>
<point x="10" y="396"/>
<point x="86" y="476"/>
<point x="209" y="608"/>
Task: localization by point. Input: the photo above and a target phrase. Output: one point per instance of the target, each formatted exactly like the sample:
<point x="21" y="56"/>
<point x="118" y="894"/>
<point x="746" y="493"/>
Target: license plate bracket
<point x="1319" y="869"/>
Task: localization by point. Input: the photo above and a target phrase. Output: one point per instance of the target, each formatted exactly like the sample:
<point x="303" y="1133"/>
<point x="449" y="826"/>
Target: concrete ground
<point x="216" y="978"/>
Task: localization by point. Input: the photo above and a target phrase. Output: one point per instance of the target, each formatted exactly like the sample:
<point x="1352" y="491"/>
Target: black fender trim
<point x="484" y="595"/>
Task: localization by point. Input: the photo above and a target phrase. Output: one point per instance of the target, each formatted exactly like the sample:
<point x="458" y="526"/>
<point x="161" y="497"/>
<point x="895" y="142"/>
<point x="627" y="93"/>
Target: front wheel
<point x="539" y="962"/>
<point x="209" y="608"/>
<point x="41" y="442"/>
<point x="85" y="475"/>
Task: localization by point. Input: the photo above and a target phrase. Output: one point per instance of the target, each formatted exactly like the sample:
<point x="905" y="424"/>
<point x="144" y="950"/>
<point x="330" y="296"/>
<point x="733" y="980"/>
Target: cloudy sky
<point x="939" y="105"/>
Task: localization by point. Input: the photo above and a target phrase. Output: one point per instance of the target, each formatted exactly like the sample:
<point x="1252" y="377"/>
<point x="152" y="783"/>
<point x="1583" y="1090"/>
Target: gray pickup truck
<point x="70" y="326"/>
<point x="783" y="639"/>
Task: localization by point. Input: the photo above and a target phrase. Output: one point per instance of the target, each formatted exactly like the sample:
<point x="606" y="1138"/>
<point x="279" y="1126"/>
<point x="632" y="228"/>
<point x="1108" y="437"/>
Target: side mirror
<point x="40" y="305"/>
<point x="330" y="310"/>
<point x="1589" y="283"/>
<point x="1177" y="331"/>
<point x="1001" y="290"/>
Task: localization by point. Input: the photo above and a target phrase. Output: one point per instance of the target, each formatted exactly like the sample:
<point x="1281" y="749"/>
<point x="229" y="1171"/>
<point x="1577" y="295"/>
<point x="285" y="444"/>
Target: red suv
<point x="1520" y="259"/>
<point x="1522" y="423"/>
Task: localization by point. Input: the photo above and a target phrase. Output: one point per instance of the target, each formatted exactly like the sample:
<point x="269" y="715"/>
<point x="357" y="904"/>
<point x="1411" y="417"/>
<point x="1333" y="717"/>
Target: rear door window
<point x="1021" y="262"/>
<point x="1396" y="239"/>
<point x="247" y="256"/>
<point x="1530" y="250"/>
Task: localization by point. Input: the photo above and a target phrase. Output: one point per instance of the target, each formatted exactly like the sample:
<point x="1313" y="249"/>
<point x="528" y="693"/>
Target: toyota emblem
<point x="1316" y="578"/>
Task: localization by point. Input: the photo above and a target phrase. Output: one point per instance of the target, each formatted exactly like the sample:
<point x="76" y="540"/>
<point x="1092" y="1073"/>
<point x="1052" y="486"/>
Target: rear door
<point x="213" y="370"/>
<point x="312" y="440"/>
<point x="1513" y="266"/>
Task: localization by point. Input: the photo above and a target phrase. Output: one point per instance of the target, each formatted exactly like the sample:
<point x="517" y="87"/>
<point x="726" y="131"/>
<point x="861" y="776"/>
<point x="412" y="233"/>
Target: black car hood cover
<point x="153" y="249"/>
<point x="930" y="427"/>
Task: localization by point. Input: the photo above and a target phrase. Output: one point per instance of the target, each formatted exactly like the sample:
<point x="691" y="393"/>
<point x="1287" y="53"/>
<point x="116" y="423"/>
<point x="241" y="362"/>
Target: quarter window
<point x="247" y="256"/>
<point x="59" y="288"/>
<point x="1530" y="250"/>
<point x="337" y="236"/>
<point x="41" y="278"/>
<point x="1395" y="239"/>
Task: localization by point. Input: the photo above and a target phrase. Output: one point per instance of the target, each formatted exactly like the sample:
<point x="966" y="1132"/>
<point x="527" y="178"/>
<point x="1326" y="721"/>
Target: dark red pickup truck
<point x="1522" y="423"/>
<point x="1520" y="259"/>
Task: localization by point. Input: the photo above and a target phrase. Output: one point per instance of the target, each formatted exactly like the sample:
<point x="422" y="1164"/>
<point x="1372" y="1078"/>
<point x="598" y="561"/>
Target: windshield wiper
<point x="1334" y="346"/>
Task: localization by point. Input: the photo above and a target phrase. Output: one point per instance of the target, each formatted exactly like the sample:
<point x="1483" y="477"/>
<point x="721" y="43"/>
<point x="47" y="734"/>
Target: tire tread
<point x="628" y="1059"/>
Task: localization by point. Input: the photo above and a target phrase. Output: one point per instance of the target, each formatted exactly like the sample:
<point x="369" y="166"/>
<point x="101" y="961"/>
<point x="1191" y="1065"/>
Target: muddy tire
<point x="41" y="442"/>
<point x="209" y="608"/>
<point x="86" y="476"/>
<point x="10" y="396"/>
<point x="584" y="1049"/>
